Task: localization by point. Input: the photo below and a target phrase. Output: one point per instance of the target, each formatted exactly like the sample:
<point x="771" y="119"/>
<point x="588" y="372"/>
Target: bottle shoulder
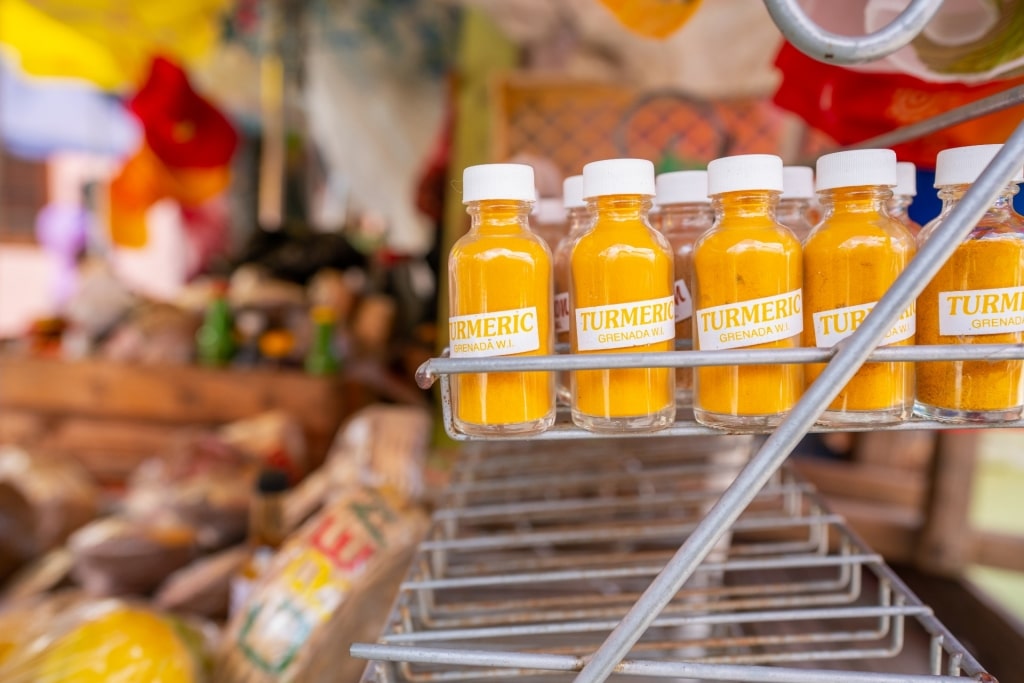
<point x="758" y="233"/>
<point x="512" y="245"/>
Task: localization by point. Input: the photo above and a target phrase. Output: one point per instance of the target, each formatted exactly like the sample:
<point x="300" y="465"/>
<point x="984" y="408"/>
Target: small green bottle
<point x="215" y="340"/>
<point x="321" y="359"/>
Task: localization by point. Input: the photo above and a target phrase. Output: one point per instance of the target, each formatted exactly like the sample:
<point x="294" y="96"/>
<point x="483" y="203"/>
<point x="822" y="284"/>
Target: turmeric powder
<point x="850" y="260"/>
<point x="500" y="278"/>
<point x="977" y="297"/>
<point x="747" y="294"/>
<point x="621" y="302"/>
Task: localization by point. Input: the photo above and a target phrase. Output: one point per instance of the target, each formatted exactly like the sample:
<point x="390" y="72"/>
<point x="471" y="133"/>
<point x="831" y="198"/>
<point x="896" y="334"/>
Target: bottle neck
<point x="868" y="199"/>
<point x="745" y="204"/>
<point x="578" y="218"/>
<point x="266" y="520"/>
<point x="899" y="205"/>
<point x="499" y="216"/>
<point x="620" y="208"/>
<point x="690" y="216"/>
<point x="1002" y="207"/>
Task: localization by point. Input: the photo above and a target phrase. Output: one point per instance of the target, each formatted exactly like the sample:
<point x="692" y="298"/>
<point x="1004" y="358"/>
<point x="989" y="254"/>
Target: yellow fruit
<point x="124" y="645"/>
<point x="652" y="18"/>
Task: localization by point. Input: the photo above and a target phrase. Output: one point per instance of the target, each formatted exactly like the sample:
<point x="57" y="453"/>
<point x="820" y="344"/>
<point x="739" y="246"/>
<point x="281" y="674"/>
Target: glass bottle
<point x="578" y="217"/>
<point x="797" y="210"/>
<point x="500" y="304"/>
<point x="976" y="298"/>
<point x="549" y="221"/>
<point x="321" y="358"/>
<point x="215" y="340"/>
<point x="747" y="275"/>
<point x="621" y="301"/>
<point x="850" y="260"/>
<point x="686" y="214"/>
<point x="903" y="196"/>
<point x="267" y="532"/>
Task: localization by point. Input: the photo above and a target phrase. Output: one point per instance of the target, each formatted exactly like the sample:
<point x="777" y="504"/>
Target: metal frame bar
<point x="825" y="46"/>
<point x="658" y="669"/>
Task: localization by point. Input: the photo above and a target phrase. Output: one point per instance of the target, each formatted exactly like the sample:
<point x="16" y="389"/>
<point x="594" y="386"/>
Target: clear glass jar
<point x="579" y="222"/>
<point x="682" y="224"/>
<point x="850" y="261"/>
<point x="500" y="285"/>
<point x="899" y="209"/>
<point x="795" y="213"/>
<point x="976" y="298"/>
<point x="747" y="275"/>
<point x="621" y="302"/>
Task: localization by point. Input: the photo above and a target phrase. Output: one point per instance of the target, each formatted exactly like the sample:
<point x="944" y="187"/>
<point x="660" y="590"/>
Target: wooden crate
<point x="112" y="415"/>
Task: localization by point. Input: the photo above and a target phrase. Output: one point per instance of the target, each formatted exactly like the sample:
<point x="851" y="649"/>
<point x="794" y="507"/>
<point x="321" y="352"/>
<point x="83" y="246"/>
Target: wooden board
<point x="98" y="407"/>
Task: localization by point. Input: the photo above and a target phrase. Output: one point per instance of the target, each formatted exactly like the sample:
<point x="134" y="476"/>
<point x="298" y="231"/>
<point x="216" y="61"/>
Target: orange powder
<point x="498" y="268"/>
<point x="993" y="262"/>
<point x="746" y="256"/>
<point x="621" y="261"/>
<point x="851" y="260"/>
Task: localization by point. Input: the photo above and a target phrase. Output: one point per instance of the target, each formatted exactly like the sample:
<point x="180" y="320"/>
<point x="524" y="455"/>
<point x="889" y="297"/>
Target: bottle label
<point x="619" y="326"/>
<point x="981" y="311"/>
<point x="831" y="327"/>
<point x="684" y="304"/>
<point x="562" y="316"/>
<point x="746" y="323"/>
<point x="501" y="333"/>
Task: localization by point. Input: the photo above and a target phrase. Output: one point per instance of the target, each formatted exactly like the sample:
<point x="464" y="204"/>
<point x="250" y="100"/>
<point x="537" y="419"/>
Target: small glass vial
<point x="747" y="275"/>
<point x="500" y="285"/>
<point x="903" y="196"/>
<point x="549" y="221"/>
<point x="685" y="215"/>
<point x="578" y="217"/>
<point x="976" y="298"/>
<point x="797" y="208"/>
<point x="850" y="261"/>
<point x="621" y="301"/>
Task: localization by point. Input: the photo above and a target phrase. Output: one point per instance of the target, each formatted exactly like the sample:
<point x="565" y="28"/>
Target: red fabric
<point x="182" y="128"/>
<point x="852" y="106"/>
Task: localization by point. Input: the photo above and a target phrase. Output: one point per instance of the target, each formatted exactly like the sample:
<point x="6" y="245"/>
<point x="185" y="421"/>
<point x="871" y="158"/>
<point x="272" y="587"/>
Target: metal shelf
<point x="564" y="429"/>
<point x="535" y="555"/>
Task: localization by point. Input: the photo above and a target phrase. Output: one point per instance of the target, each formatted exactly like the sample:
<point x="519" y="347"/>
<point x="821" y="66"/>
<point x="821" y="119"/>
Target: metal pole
<point x="833" y="48"/>
<point x="851" y="354"/>
<point x="972" y="110"/>
<point x="524" y="661"/>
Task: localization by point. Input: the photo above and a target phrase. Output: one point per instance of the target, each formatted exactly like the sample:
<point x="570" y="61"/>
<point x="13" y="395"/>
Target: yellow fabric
<point x="107" y="42"/>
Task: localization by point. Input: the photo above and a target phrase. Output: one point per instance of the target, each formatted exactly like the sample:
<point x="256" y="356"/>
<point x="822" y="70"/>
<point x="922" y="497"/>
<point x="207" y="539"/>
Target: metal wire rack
<point x="692" y="588"/>
<point x="535" y="554"/>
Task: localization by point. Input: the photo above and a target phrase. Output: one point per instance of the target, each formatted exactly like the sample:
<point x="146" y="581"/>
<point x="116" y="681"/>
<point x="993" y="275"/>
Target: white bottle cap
<point x="618" y="176"/>
<point x="549" y="211"/>
<point x="857" y="168"/>
<point x="797" y="182"/>
<point x="963" y="165"/>
<point x="498" y="181"/>
<point x="906" y="180"/>
<point x="745" y="172"/>
<point x="572" y="192"/>
<point x="682" y="187"/>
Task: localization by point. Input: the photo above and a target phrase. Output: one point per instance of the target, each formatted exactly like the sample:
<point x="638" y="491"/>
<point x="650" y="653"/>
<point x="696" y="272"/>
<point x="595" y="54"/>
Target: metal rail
<point x="531" y="551"/>
<point x="825" y="46"/>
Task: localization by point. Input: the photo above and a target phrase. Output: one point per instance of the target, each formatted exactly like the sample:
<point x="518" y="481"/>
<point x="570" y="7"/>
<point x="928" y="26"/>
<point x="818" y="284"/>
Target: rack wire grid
<point x="536" y="552"/>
